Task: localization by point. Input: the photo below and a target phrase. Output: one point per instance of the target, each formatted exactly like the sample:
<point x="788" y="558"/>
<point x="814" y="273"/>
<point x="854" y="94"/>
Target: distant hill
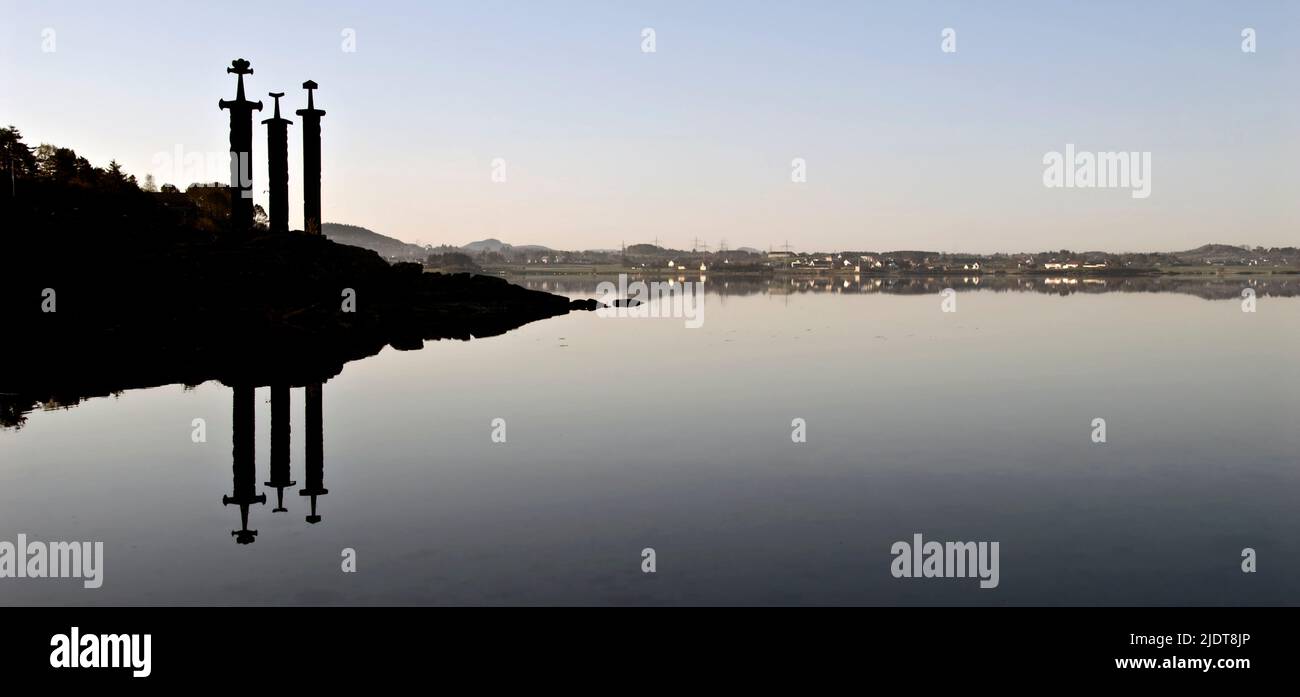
<point x="494" y="245"/>
<point x="1215" y="254"/>
<point x="386" y="246"/>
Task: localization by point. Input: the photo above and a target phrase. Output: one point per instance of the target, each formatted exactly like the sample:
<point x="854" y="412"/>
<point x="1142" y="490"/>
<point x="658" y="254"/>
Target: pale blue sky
<point x="906" y="146"/>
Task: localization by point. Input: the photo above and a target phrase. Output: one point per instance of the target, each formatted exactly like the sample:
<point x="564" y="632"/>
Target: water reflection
<point x="1209" y="287"/>
<point x="633" y="434"/>
<point x="49" y="380"/>
<point x="280" y="430"/>
<point x="244" y="458"/>
<point x="243" y="455"/>
<point x="315" y="450"/>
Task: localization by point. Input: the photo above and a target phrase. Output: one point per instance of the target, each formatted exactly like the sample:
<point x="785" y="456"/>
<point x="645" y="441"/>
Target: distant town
<point x="497" y="257"/>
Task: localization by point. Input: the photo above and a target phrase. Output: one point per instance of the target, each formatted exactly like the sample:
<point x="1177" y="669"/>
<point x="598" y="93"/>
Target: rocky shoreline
<point x="287" y="309"/>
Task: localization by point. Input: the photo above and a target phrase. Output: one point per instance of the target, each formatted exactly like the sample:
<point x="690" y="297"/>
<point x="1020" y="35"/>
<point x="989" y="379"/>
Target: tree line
<point x="50" y="186"/>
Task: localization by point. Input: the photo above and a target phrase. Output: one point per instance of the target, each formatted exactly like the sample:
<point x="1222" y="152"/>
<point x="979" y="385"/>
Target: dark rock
<point x="265" y="309"/>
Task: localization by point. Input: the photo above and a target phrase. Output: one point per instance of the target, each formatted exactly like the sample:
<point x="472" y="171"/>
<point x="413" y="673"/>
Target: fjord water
<point x="623" y="434"/>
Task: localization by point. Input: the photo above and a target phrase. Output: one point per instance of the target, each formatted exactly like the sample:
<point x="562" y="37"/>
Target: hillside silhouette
<point x="388" y="247"/>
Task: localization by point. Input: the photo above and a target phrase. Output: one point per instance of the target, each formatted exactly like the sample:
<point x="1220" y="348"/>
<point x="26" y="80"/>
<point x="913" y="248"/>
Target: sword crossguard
<point x="240" y="68"/>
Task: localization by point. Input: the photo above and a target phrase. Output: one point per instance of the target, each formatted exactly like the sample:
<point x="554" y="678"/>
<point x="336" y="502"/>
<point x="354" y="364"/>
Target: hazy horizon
<point x="665" y="244"/>
<point x="906" y="146"/>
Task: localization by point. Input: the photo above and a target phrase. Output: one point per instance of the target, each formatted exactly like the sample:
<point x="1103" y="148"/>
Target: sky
<point x="903" y="145"/>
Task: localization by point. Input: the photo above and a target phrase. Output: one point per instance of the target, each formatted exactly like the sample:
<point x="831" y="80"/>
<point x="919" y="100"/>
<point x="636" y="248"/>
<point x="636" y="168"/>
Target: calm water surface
<point x="626" y="434"/>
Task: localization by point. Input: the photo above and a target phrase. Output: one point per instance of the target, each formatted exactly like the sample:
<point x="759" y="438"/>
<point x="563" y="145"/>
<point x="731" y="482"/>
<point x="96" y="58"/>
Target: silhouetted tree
<point x="213" y="203"/>
<point x="18" y="160"/>
<point x="56" y="164"/>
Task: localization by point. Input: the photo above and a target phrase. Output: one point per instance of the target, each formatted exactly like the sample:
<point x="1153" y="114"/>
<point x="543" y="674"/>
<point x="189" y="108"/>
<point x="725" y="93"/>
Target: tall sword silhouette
<point x="241" y="151"/>
<point x="277" y="166"/>
<point x="310" y="162"/>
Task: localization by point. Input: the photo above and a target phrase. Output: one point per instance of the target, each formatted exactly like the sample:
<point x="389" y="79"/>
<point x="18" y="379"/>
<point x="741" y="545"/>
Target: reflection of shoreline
<point x="62" y="371"/>
<point x="1206" y="287"/>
